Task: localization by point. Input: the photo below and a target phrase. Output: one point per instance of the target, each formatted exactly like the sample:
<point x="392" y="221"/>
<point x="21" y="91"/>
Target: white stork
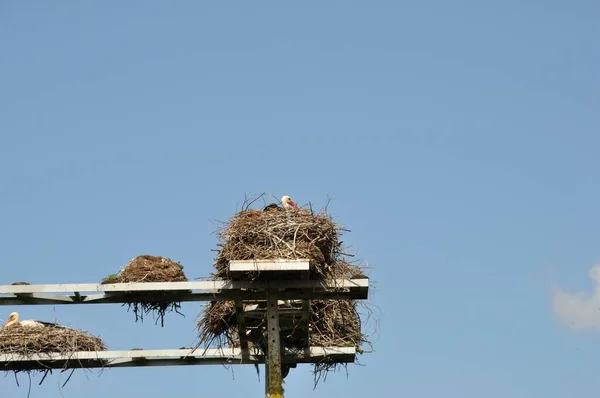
<point x="13" y="319"/>
<point x="285" y="200"/>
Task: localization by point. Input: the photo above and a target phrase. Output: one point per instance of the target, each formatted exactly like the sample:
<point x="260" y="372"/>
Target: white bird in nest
<point x="287" y="202"/>
<point x="13" y="319"/>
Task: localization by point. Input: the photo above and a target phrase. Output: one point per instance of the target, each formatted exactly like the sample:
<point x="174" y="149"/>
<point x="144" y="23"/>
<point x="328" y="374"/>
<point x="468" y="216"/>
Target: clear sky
<point x="459" y="141"/>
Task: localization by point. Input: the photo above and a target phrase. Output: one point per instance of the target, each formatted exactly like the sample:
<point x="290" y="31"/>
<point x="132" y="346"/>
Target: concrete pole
<point x="273" y="379"/>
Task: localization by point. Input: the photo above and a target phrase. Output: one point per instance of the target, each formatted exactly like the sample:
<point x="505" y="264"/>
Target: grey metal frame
<point x="241" y="290"/>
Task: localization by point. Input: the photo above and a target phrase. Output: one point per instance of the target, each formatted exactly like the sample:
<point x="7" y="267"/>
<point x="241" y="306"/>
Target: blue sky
<point x="458" y="140"/>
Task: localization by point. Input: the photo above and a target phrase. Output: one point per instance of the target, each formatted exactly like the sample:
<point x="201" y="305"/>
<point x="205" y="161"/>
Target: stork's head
<point x="287" y="202"/>
<point x="13" y="319"/>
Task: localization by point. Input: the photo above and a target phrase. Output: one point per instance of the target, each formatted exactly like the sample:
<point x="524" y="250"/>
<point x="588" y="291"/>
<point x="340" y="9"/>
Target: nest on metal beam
<point x="336" y="323"/>
<point x="26" y="341"/>
<point x="218" y="325"/>
<point x="332" y="323"/>
<point x="148" y="268"/>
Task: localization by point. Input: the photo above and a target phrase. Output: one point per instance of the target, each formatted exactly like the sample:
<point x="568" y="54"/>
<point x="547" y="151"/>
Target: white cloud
<point x="580" y="310"/>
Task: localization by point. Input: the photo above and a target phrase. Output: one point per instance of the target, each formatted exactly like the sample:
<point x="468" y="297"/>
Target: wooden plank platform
<point x="268" y="265"/>
<point x="270" y="270"/>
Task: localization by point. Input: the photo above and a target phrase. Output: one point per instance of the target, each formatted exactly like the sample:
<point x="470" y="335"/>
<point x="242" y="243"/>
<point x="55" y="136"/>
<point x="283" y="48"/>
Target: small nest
<point x="27" y="341"/>
<point x="292" y="234"/>
<point x="148" y="268"/>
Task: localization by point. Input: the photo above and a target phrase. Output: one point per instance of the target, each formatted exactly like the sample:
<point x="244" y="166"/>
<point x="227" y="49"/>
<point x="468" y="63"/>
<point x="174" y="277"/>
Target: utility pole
<point x="273" y="379"/>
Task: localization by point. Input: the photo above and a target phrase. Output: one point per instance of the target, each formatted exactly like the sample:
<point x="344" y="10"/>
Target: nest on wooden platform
<point x="289" y="234"/>
<point x="25" y="341"/>
<point x="148" y="268"/>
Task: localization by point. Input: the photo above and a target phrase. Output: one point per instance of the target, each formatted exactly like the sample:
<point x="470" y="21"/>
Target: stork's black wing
<point x="272" y="207"/>
<point x="50" y="324"/>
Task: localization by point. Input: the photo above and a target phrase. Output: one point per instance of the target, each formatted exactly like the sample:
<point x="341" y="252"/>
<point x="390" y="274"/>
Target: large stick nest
<point x="290" y="234"/>
<point x="148" y="268"/>
<point x="286" y="234"/>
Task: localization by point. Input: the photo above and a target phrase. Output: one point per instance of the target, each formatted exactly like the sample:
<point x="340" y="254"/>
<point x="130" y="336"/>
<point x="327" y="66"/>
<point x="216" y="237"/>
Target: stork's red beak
<point x="292" y="204"/>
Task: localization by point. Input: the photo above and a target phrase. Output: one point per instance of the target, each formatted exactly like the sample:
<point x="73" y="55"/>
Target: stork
<point x="285" y="200"/>
<point x="13" y="319"/>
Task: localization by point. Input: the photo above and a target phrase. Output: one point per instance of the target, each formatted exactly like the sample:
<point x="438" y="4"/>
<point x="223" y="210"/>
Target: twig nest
<point x="290" y="234"/>
<point x="29" y="340"/>
<point x="335" y="323"/>
<point x="218" y="320"/>
<point x="148" y="268"/>
<point x="285" y="234"/>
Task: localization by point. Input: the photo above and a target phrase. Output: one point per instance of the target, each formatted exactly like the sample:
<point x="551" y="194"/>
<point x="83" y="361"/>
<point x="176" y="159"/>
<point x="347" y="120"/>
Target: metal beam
<point x="181" y="291"/>
<point x="216" y="285"/>
<point x="133" y="358"/>
<point x="241" y="325"/>
<point x="304" y="328"/>
<point x="305" y="320"/>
